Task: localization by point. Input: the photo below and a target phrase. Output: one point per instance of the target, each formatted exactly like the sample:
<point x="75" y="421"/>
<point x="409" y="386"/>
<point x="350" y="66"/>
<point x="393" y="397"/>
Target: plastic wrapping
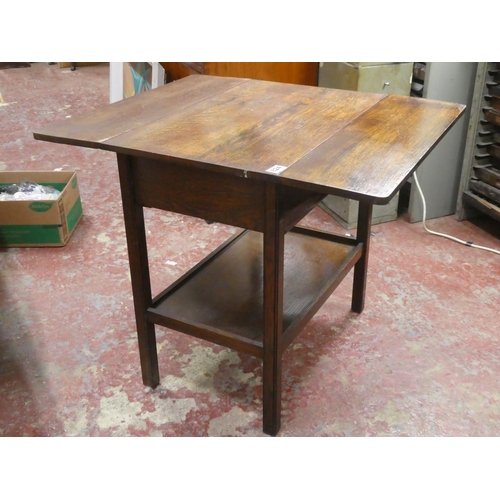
<point x="28" y="190"/>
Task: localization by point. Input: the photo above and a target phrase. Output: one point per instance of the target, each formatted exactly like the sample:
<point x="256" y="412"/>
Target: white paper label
<point x="277" y="169"/>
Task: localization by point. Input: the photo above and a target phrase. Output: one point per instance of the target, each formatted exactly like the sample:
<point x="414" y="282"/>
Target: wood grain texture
<point x="273" y="274"/>
<point x="489" y="175"/>
<point x="139" y="273"/>
<point x="374" y="154"/>
<point x="207" y="195"/>
<point x="249" y="128"/>
<point x="482" y="205"/>
<point x="358" y="145"/>
<point x="494" y="150"/>
<point x="177" y="70"/>
<point x="214" y="196"/>
<point x="486" y="190"/>
<point x="227" y="294"/>
<point x="96" y="128"/>
<point x="361" y="267"/>
<point x="301" y="73"/>
<point x="492" y="116"/>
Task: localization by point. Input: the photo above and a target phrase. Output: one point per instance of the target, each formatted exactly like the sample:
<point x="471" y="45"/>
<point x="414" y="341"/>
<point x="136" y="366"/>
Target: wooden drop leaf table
<point x="259" y="156"/>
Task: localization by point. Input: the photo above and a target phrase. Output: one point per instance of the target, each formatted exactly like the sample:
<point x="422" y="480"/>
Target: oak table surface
<point x="257" y="155"/>
<point x="352" y="144"/>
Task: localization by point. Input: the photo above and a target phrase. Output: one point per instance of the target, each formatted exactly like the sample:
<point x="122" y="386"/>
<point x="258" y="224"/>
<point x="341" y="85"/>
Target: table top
<point x="353" y="144"/>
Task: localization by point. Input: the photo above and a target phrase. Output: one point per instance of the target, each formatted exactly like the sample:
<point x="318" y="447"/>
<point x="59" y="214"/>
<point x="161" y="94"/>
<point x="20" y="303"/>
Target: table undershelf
<point x="221" y="298"/>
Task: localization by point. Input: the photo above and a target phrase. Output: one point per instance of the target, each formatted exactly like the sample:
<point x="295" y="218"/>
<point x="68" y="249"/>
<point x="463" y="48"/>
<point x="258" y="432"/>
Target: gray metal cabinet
<point x="439" y="174"/>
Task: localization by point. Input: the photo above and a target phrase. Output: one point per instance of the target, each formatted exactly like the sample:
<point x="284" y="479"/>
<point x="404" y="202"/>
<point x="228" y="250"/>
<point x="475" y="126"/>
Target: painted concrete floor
<point x="422" y="359"/>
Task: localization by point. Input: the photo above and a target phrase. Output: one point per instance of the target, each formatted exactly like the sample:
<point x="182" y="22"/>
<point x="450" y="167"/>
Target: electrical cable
<point x="467" y="243"/>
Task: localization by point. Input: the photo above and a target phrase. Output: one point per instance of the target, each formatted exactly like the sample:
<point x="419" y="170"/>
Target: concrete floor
<point x="422" y="359"/>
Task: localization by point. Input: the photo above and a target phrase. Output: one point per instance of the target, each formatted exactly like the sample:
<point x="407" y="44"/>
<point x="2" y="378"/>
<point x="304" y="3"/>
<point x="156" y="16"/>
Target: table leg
<point x="139" y="271"/>
<point x="273" y="311"/>
<point x="361" y="267"/>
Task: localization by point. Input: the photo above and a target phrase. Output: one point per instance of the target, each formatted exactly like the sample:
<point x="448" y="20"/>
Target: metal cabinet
<point x="439" y="174"/>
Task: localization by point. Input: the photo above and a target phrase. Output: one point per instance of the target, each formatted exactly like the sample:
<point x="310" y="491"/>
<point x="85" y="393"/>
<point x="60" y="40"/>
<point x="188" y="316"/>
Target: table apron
<point x="214" y="196"/>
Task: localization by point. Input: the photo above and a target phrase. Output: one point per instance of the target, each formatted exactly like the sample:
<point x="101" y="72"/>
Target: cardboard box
<point x="40" y="223"/>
